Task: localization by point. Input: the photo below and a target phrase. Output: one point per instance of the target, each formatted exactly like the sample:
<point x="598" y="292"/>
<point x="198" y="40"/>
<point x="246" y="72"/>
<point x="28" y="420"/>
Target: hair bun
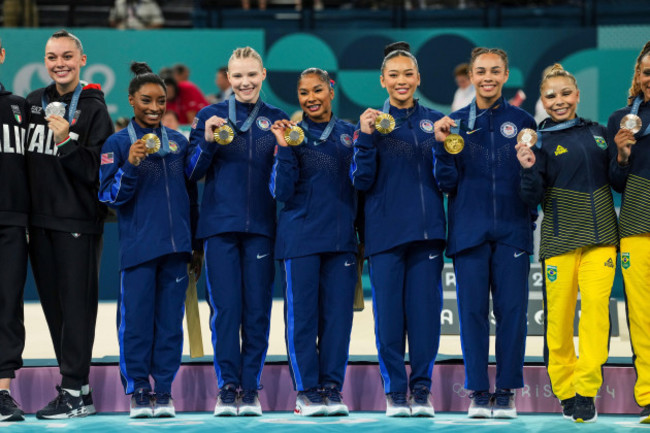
<point x="395" y="46"/>
<point x="139" y="68"/>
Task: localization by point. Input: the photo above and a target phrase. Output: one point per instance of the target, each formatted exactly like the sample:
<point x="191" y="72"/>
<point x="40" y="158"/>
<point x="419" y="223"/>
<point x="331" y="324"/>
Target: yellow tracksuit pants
<point x="591" y="271"/>
<point x="635" y="261"/>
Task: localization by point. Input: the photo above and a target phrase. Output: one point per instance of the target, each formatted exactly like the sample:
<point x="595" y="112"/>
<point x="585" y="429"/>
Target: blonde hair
<point x="246" y="53"/>
<point x="555" y="71"/>
<point x="635" y="88"/>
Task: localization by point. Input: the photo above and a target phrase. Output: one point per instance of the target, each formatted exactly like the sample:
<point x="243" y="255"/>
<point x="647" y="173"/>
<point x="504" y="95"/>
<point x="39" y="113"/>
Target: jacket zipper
<point x="592" y="187"/>
<point x="419" y="159"/>
<point x="494" y="180"/>
<point x="169" y="206"/>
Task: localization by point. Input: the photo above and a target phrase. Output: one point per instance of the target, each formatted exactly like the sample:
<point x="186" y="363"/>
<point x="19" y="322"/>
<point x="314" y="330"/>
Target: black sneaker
<point x="88" y="402"/>
<point x="568" y="407"/>
<point x="645" y="415"/>
<point x="64" y="405"/>
<point x="9" y="410"/>
<point x="585" y="410"/>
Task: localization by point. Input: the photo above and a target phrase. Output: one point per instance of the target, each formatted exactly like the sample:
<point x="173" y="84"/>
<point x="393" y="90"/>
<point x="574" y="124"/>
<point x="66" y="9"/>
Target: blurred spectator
<point x="221" y="80"/>
<point x="170" y="120"/>
<point x="246" y="4"/>
<point x="20" y="13"/>
<point x="181" y="72"/>
<point x="136" y="14"/>
<point x="121" y="123"/>
<point x="184" y="97"/>
<point x="465" y="92"/>
<point x="540" y="112"/>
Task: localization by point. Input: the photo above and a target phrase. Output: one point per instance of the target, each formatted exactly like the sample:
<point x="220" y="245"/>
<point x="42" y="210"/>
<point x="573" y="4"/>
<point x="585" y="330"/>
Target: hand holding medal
<point x="287" y="133"/>
<point x="55" y="116"/>
<point x="137" y="152"/>
<point x="446" y="130"/>
<point x="218" y="130"/>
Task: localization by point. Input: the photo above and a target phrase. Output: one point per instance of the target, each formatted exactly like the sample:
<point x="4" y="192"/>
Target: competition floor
<point x="362" y="422"/>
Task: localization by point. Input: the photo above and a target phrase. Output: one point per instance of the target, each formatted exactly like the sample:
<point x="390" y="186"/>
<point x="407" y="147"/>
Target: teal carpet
<point x="362" y="422"/>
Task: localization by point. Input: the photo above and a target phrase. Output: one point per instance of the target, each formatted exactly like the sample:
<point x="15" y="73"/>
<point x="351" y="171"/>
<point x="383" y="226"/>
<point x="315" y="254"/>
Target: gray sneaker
<point x="481" y="405"/>
<point x="396" y="405"/>
<point x="226" y="402"/>
<point x="503" y="404"/>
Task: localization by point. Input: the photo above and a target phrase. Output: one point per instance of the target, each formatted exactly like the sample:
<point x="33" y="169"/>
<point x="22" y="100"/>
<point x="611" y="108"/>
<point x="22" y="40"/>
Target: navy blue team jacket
<point x="402" y="201"/>
<point x="319" y="200"/>
<point x="236" y="197"/>
<point x="483" y="181"/>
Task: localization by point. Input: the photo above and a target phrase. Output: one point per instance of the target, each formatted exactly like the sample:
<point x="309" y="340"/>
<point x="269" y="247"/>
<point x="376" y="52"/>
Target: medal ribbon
<point x="324" y="135"/>
<point x="164" y="147"/>
<point x="559" y="127"/>
<point x="401" y="120"/>
<point x="635" y="110"/>
<point x="472" y="112"/>
<point x="232" y="114"/>
<point x="73" y="102"/>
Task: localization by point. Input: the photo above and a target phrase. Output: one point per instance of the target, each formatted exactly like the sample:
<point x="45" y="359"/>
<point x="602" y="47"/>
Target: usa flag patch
<point x="107" y="158"/>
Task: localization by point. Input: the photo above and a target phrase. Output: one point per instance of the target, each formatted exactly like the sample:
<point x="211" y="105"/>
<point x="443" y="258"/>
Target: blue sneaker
<point x="141" y="404"/>
<point x="310" y="403"/>
<point x="163" y="406"/>
<point x="249" y="403"/>
<point x="420" y="402"/>
<point x="334" y="401"/>
<point x="481" y="405"/>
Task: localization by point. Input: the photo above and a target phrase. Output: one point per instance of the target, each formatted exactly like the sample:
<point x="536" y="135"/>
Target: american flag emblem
<point x="107" y="158"/>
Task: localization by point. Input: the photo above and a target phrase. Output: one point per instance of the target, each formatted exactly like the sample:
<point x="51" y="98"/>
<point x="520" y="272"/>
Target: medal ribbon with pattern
<point x="559" y="127"/>
<point x="635" y="110"/>
<point x="164" y="148"/>
<point x="324" y="135"/>
<point x="73" y="102"/>
<point x="232" y="115"/>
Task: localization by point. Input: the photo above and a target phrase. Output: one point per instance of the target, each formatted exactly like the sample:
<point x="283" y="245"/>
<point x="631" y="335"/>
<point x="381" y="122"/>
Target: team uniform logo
<point x="173" y="147"/>
<point x="107" y="158"/>
<point x="346" y="140"/>
<point x="559" y="150"/>
<point x="37" y="109"/>
<point x="17" y="115"/>
<point x="263" y="123"/>
<point x="508" y="130"/>
<point x="551" y="273"/>
<point x="426" y="125"/>
<point x="355" y="136"/>
<point x="625" y="260"/>
<point x="600" y="141"/>
<point x="609" y="263"/>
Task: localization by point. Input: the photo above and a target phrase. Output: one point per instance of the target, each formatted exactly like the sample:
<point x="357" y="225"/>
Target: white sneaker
<point x="481" y="405"/>
<point x="141" y="404"/>
<point x="334" y="401"/>
<point x="226" y="402"/>
<point x="249" y="404"/>
<point x="503" y="404"/>
<point x="310" y="403"/>
<point x="163" y="406"/>
<point x="420" y="402"/>
<point x="396" y="405"/>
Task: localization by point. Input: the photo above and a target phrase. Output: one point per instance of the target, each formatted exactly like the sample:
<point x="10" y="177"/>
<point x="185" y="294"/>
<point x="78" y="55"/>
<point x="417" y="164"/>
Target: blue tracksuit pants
<point x="150" y="322"/>
<point x="407" y="297"/>
<point x="239" y="270"/>
<point x="319" y="298"/>
<point x="500" y="270"/>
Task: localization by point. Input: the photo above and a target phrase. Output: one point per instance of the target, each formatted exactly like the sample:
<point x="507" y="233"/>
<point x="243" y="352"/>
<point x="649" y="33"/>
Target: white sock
<point x="85" y="389"/>
<point x="73" y="392"/>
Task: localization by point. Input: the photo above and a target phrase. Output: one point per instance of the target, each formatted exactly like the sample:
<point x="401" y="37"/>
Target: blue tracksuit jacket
<point x="483" y="181"/>
<point x="319" y="200"/>
<point x="236" y="196"/>
<point x="402" y="201"/>
<point x="151" y="199"/>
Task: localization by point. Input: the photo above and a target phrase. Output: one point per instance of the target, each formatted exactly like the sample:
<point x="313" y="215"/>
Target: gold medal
<point x="385" y="123"/>
<point x="294" y="135"/>
<point x="152" y="142"/>
<point x="224" y="135"/>
<point x="527" y="136"/>
<point x="454" y="144"/>
<point x="631" y="122"/>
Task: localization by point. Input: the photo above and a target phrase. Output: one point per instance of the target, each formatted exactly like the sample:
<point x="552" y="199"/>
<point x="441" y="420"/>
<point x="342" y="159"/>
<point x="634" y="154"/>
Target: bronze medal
<point x="294" y="135"/>
<point x="631" y="122"/>
<point x="527" y="136"/>
<point x="152" y="143"/>
<point x="454" y="144"/>
<point x="224" y="135"/>
<point x="385" y="123"/>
